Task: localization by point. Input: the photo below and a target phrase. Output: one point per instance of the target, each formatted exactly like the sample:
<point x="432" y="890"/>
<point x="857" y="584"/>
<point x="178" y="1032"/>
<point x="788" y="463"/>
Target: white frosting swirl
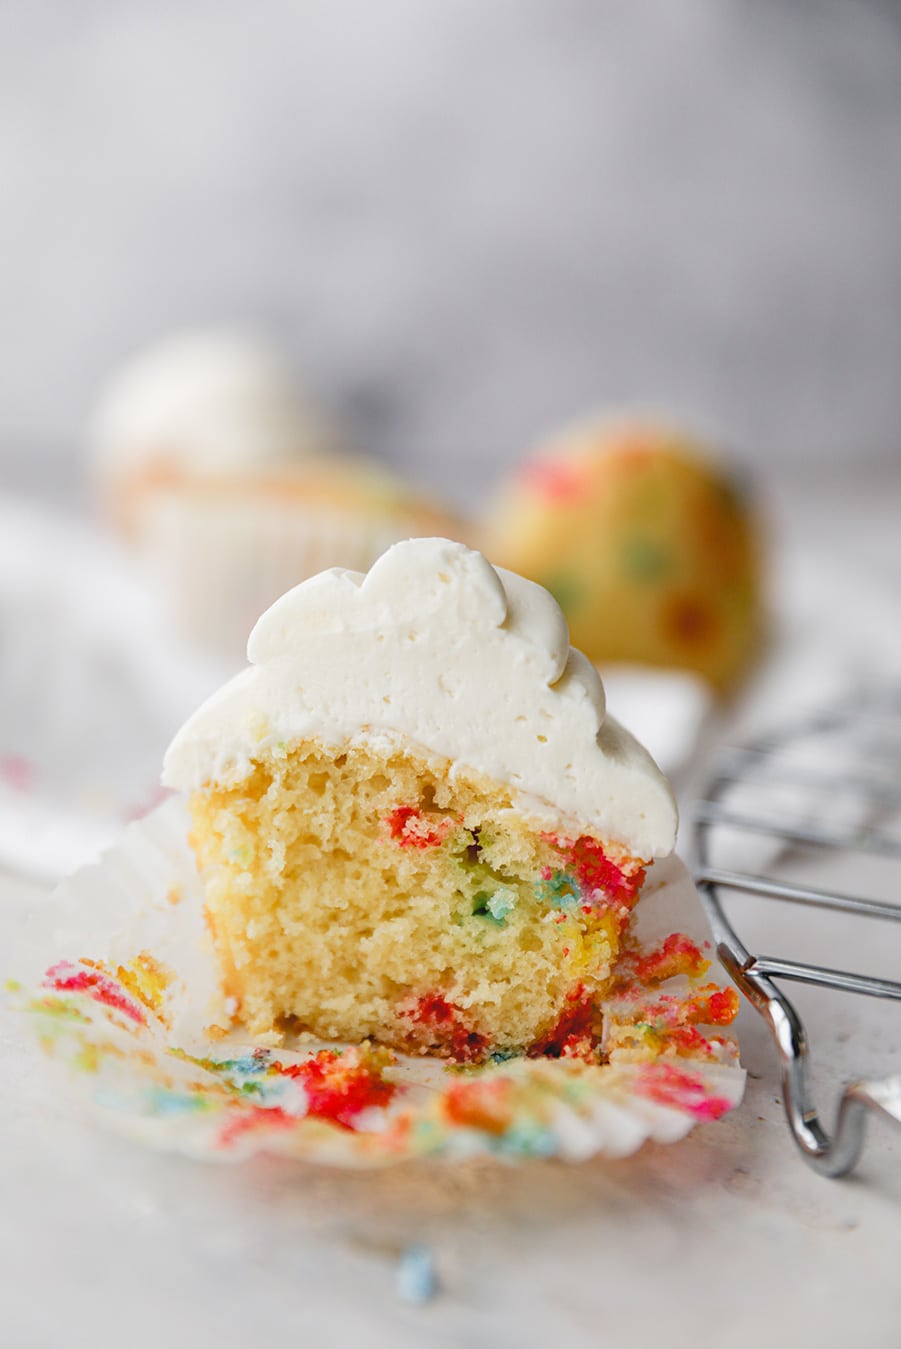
<point x="217" y="401"/>
<point x="436" y="646"/>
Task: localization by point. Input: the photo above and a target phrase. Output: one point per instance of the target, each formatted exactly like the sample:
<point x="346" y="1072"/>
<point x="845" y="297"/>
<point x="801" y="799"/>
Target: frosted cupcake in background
<point x="648" y="543"/>
<point x="208" y="407"/>
<point x="212" y="463"/>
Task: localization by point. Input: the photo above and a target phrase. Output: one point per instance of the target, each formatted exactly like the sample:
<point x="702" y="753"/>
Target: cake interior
<point x="368" y="891"/>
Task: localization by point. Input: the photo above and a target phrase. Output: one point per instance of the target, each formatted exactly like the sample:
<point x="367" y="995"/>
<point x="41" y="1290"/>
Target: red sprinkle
<point x="577" y="1031"/>
<point x="482" y="1103"/>
<point x="254" y="1119"/>
<point x="411" y="829"/>
<point x="68" y="978"/>
<point x="678" y="954"/>
<point x="688" y="1041"/>
<point x="668" y="1085"/>
<point x="448" y="1030"/>
<point x="708" y="1005"/>
<point x="17" y="772"/>
<point x="722" y="1007"/>
<point x="688" y="619"/>
<point x="594" y="870"/>
<point x="340" y="1085"/>
<point x="555" y="481"/>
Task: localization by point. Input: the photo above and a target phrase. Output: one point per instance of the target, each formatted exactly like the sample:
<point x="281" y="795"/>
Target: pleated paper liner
<point x="117" y="977"/>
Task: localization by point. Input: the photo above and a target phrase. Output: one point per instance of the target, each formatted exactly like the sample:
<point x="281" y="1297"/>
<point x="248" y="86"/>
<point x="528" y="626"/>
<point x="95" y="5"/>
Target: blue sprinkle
<point x="525" y="1138"/>
<point x="494" y="906"/>
<point x="504" y="1055"/>
<point x="170" y="1101"/>
<point x="560" y="890"/>
<point x="500" y="903"/>
<point x="417" y="1279"/>
<point x="248" y="1065"/>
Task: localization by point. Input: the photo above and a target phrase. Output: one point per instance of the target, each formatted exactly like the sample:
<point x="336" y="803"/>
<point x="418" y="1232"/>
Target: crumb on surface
<point x="416" y="1277"/>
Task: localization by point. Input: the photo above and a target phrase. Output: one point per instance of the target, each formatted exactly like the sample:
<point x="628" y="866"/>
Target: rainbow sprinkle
<point x="661" y="1041"/>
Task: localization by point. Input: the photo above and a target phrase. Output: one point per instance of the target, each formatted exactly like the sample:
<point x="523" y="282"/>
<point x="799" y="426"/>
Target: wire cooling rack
<point x="826" y="786"/>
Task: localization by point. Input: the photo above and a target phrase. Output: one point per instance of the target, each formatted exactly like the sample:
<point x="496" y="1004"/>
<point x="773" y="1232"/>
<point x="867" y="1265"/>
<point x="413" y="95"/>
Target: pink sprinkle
<point x="68" y="978"/>
<point x="555" y="481"/>
<point x="254" y="1119"/>
<point x="17" y="772"/>
<point x="713" y="1108"/>
<point x="681" y="1090"/>
<point x="411" y="829"/>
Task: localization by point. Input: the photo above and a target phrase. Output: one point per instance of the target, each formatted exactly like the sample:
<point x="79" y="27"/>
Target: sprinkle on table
<point x="417" y="1278"/>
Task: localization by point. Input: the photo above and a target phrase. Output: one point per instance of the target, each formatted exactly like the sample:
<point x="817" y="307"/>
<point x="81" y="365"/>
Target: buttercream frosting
<point x="216" y="401"/>
<point x="437" y="647"/>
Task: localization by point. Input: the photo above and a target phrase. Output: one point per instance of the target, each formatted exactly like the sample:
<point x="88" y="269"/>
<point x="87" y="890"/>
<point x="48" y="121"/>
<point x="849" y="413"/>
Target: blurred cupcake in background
<point x="213" y="406"/>
<point x="647" y="540"/>
<point x="210" y="461"/>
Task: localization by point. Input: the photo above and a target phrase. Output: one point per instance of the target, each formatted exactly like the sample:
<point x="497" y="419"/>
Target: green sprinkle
<point x="60" y="1009"/>
<point x="480" y="905"/>
<point x="568" y="591"/>
<point x="644" y="560"/>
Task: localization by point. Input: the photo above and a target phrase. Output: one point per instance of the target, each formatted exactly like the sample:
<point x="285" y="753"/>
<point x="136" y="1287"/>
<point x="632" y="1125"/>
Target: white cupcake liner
<point x="152" y="1063"/>
<point x="221" y="563"/>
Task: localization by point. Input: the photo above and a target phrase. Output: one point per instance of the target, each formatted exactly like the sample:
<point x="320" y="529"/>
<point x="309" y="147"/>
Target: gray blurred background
<point x="466" y="220"/>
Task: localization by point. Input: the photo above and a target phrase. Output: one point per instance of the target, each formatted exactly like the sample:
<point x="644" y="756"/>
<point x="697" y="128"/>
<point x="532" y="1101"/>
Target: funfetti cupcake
<point x="398" y="907"/>
<point x="217" y="469"/>
<point x="414" y="820"/>
<point x="648" y="542"/>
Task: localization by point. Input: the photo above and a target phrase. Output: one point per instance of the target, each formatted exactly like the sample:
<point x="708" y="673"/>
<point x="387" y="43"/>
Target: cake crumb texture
<point x="371" y="892"/>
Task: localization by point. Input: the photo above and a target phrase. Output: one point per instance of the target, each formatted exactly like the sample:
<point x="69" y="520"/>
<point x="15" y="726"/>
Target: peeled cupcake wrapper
<point x="222" y="562"/>
<point x="118" y="979"/>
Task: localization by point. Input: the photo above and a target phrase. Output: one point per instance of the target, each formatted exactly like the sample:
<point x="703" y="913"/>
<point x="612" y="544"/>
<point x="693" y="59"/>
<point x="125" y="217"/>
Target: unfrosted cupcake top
<point x="649" y="541"/>
<point x="465" y="661"/>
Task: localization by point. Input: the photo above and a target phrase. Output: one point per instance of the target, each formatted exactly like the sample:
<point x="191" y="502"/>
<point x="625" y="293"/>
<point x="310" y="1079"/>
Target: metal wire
<point x="762" y="765"/>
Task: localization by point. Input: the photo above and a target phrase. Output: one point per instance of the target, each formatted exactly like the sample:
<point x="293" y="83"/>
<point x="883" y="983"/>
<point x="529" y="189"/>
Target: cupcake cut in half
<point x="413" y="819"/>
